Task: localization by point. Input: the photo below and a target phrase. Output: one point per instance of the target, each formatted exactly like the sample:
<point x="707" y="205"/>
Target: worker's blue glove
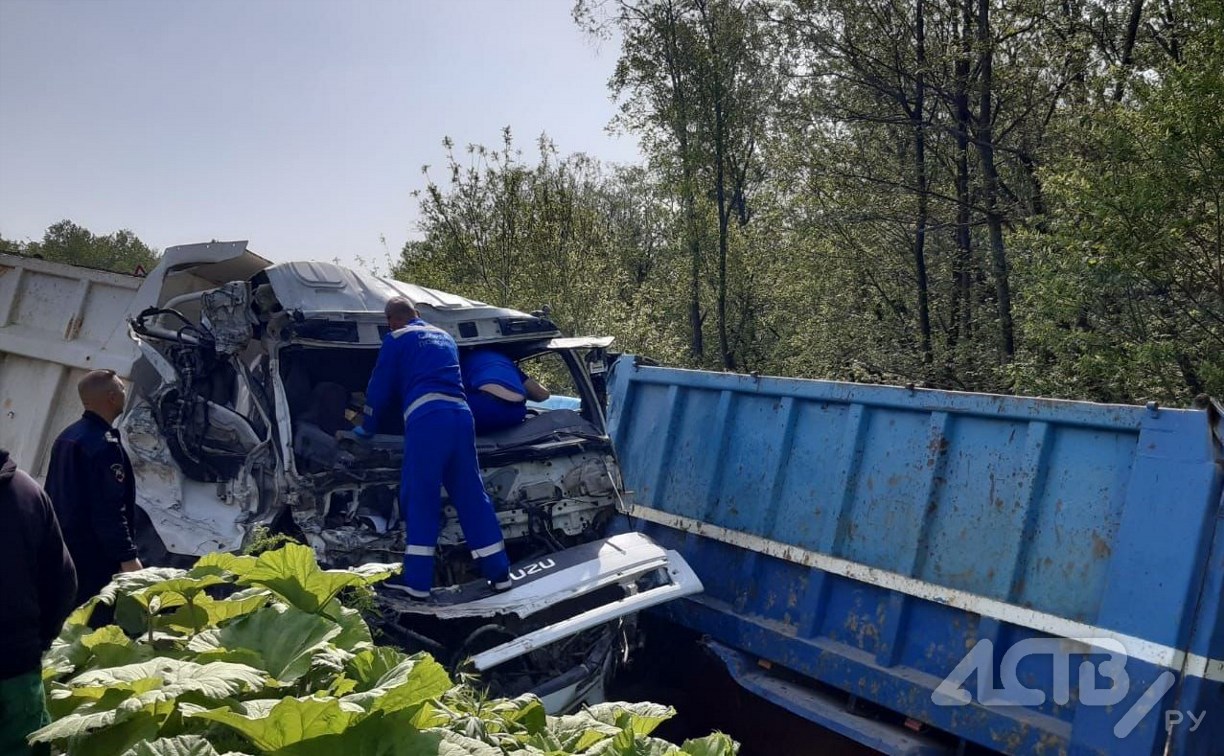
<point x="362" y="434"/>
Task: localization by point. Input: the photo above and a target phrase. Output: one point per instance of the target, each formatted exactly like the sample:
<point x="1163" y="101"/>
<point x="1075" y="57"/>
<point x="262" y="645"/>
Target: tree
<point x="656" y="82"/>
<point x="698" y="79"/>
<point x="561" y="232"/>
<point x="1126" y="298"/>
<point x="66" y="242"/>
<point x="966" y="194"/>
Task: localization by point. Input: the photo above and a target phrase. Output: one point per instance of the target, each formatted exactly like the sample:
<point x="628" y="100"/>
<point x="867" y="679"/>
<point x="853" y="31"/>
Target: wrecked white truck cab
<point x="242" y="387"/>
<point x="247" y="377"/>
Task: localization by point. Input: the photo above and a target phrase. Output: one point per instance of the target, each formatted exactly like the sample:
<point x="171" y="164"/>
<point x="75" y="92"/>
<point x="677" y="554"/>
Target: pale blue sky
<point x="300" y="125"/>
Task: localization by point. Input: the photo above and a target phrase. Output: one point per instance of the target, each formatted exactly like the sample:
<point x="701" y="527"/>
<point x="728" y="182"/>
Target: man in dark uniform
<point x="90" y="483"/>
<point x="37" y="591"/>
<point x="419" y="364"/>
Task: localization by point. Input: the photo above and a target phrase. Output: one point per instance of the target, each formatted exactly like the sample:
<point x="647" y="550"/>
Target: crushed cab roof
<point x="323" y="290"/>
<point x="326" y="287"/>
<point x="320" y="289"/>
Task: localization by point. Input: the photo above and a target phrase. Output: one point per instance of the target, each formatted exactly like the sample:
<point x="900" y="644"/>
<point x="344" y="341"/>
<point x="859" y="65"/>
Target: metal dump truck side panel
<point x="1204" y="687"/>
<point x="56" y="323"/>
<point x="59" y="321"/>
<point x="869" y="536"/>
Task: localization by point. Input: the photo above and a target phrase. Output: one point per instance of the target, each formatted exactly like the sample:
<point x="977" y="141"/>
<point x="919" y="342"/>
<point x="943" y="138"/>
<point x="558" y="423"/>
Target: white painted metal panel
<point x="56" y="322"/>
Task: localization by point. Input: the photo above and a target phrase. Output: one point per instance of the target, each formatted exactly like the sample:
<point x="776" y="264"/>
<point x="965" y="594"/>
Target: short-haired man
<point x="419" y="364"/>
<point x="90" y="483"/>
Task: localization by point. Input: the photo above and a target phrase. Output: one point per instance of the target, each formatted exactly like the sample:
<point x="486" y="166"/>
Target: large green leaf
<point x="285" y="722"/>
<point x="142" y="726"/>
<point x="173" y="677"/>
<point x="80" y="616"/>
<point x="207" y="612"/>
<point x="131" y="582"/>
<point x="182" y="745"/>
<point x="234" y="656"/>
<point x="354" y="632"/>
<point x="294" y="574"/>
<point x="111" y="647"/>
<point x="411" y="682"/>
<point x="641" y="718"/>
<point x="186" y="586"/>
<point x="376" y="572"/>
<point x="711" y="745"/>
<point x="117" y="718"/>
<point x="575" y="733"/>
<point x="525" y="713"/>
<point x="368" y="667"/>
<point x="67" y="653"/>
<point x="386" y="734"/>
<point x="113" y="708"/>
<point x="223" y="563"/>
<point x="629" y="744"/>
<point x="283" y="638"/>
<point x="457" y="744"/>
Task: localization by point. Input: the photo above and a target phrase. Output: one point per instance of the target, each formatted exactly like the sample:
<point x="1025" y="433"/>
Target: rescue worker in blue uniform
<point x="419" y="364"/>
<point x="497" y="390"/>
<point x="92" y="488"/>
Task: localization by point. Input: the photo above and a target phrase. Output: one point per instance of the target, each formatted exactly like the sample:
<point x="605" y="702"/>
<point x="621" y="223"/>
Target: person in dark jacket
<point x="37" y="592"/>
<point x="92" y="488"/>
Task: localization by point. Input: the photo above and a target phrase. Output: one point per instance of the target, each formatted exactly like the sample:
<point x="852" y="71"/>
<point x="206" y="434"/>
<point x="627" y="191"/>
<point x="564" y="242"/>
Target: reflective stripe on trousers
<point x="488" y="551"/>
<point x="440" y="450"/>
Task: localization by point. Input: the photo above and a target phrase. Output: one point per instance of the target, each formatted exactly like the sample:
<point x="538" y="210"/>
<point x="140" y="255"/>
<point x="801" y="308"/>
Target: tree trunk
<point x="1037" y="204"/>
<point x="990" y="175"/>
<point x="1128" y="47"/>
<point x="689" y="200"/>
<point x="962" y="299"/>
<point x="688" y="189"/>
<point x="697" y="340"/>
<point x="724" y="346"/>
<point x="720" y="180"/>
<point x="724" y="218"/>
<point x="918" y="116"/>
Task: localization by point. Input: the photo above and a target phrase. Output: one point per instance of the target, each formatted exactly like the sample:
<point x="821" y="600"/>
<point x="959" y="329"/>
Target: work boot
<point x="411" y="593"/>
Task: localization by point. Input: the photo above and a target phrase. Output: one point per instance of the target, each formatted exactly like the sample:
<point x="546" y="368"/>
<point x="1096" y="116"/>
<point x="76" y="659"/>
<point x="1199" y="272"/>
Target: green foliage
<point x="279" y="640"/>
<point x="263" y="539"/>
<point x="906" y="199"/>
<point x="561" y="233"/>
<point x="248" y="655"/>
<point x="1126" y="291"/>
<point x="66" y="242"/>
<point x="292" y="572"/>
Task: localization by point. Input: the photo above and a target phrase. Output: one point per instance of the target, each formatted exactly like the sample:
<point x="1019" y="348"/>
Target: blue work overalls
<point x="420" y="364"/>
<point x="482" y="367"/>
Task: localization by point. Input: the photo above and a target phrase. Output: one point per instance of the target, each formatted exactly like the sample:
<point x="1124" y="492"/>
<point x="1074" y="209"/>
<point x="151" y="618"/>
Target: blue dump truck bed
<point x="1030" y="575"/>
